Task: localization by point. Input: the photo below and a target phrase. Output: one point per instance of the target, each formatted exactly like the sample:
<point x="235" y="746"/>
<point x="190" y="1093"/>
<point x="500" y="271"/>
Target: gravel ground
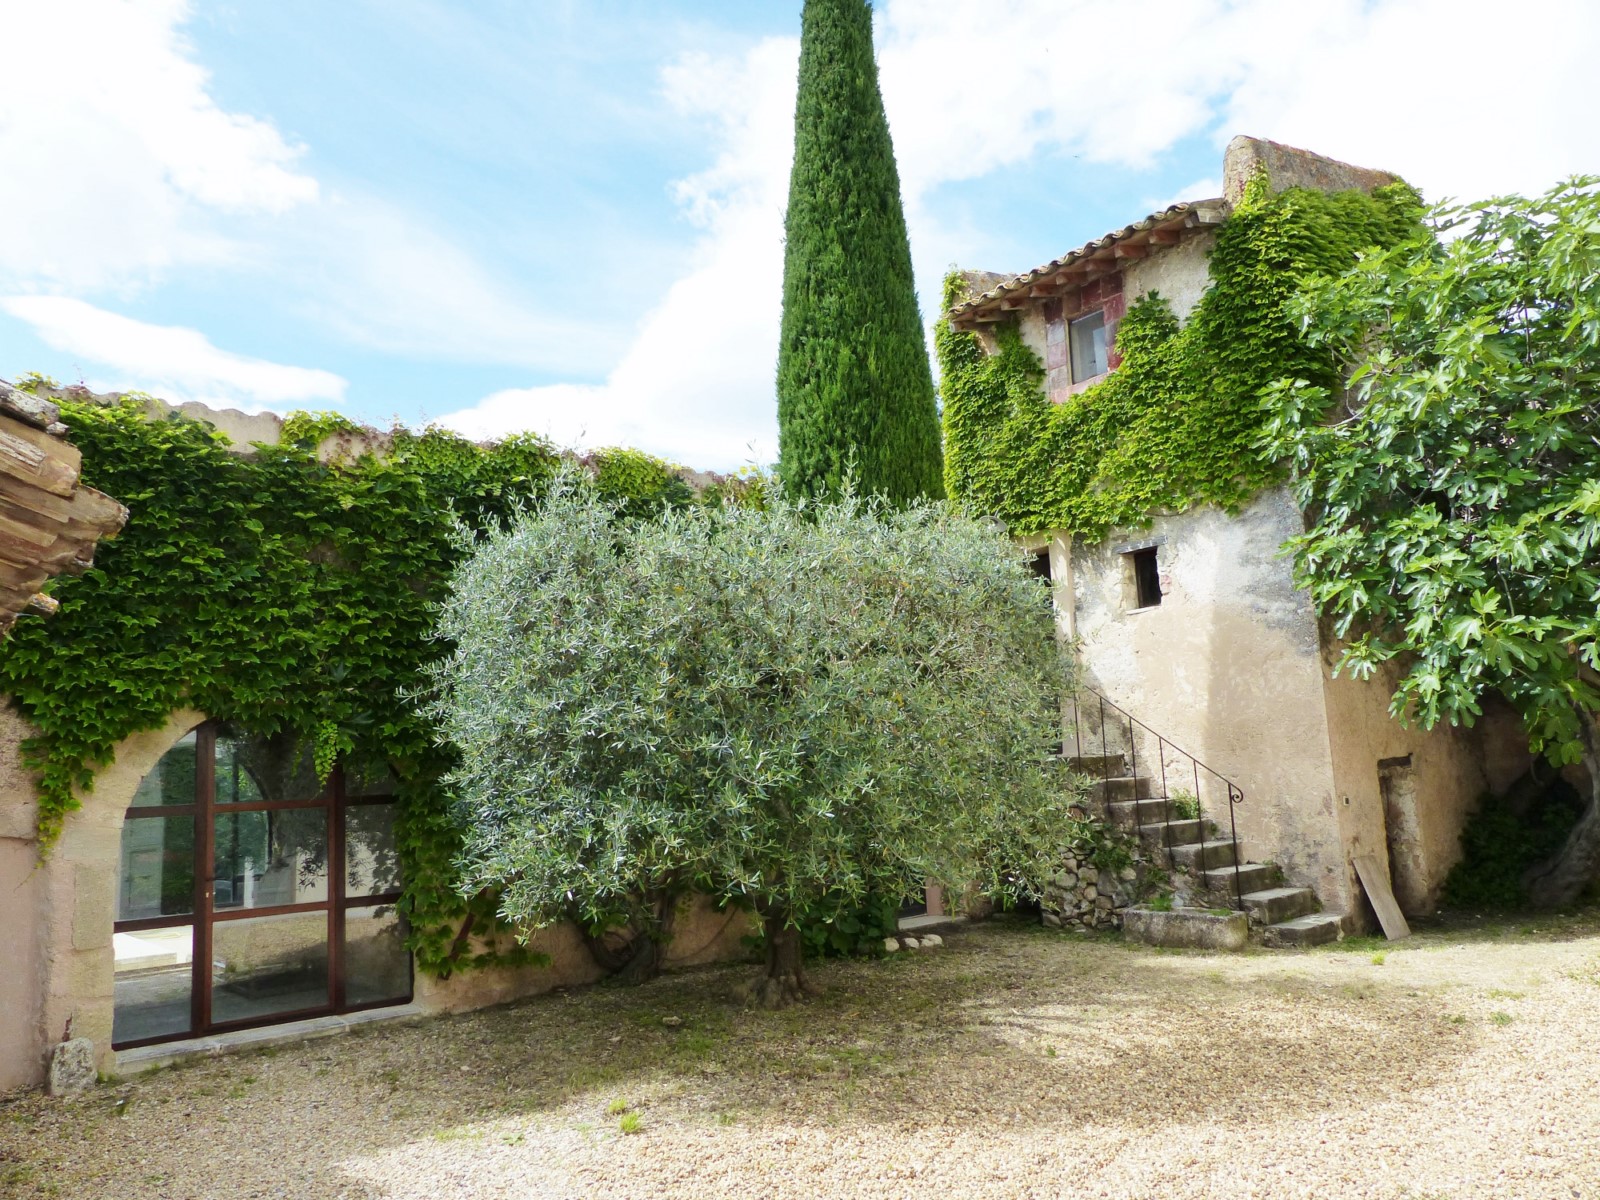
<point x="1011" y="1063"/>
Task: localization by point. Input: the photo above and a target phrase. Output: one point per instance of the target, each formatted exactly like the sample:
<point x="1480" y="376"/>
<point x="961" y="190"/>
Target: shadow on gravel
<point x="1005" y="1023"/>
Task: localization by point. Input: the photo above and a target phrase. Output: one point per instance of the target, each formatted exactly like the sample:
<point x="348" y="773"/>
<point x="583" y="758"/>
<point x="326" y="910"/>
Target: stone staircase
<point x="1199" y="855"/>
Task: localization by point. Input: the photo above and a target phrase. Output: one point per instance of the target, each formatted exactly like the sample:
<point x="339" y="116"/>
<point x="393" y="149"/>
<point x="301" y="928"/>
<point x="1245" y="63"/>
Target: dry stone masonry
<point x="49" y="522"/>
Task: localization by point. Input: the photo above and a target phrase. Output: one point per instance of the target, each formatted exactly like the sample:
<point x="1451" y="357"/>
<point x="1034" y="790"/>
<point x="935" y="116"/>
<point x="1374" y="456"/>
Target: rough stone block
<point x="72" y="1068"/>
<point x="93" y="908"/>
<point x="1187" y="928"/>
<point x="1313" y="930"/>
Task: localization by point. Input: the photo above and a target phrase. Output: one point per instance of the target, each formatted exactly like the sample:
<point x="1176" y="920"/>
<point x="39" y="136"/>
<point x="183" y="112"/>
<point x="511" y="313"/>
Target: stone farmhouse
<point x="212" y="890"/>
<point x="1192" y="631"/>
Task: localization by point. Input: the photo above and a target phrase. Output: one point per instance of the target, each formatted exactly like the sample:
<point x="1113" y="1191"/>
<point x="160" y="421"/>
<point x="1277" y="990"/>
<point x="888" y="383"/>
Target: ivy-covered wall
<point x="280" y="592"/>
<point x="1175" y="425"/>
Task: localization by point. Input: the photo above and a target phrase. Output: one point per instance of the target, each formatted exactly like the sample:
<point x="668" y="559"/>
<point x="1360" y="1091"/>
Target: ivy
<point x="1175" y="425"/>
<point x="291" y="589"/>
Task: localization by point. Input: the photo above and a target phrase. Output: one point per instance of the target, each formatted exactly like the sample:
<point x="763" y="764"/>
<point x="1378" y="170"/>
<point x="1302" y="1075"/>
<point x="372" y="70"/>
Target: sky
<point x="565" y="217"/>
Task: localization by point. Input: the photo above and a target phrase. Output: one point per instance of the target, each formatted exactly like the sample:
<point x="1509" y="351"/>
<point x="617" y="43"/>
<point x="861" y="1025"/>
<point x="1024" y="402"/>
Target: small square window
<point x="1146" y="578"/>
<point x="1087" y="336"/>
<point x="1039" y="564"/>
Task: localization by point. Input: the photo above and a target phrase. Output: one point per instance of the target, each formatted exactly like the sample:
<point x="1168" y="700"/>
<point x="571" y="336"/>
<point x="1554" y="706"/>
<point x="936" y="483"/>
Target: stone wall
<point x="1290" y="167"/>
<point x="1083" y="896"/>
<point x="56" y="940"/>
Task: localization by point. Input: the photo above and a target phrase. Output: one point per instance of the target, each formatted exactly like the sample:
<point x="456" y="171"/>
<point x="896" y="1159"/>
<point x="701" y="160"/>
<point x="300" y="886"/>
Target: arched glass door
<point x="251" y="893"/>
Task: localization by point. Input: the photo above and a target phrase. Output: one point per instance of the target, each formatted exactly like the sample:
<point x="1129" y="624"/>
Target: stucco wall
<point x="65" y="945"/>
<point x="1181" y="273"/>
<point x="1417" y="835"/>
<point x="21" y="931"/>
<point x="1228" y="668"/>
<point x="702" y="935"/>
<point x="20" y="944"/>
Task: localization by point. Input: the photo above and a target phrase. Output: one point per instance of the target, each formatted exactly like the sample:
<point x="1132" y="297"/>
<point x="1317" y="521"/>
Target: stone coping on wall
<point x="166" y="1054"/>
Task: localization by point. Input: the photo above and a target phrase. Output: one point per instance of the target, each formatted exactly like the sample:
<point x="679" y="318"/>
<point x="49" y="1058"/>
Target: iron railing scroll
<point x="1129" y="731"/>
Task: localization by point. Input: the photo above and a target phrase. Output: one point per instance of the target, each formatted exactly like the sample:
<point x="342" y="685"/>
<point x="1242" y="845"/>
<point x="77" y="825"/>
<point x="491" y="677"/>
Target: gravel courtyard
<point x="1011" y="1063"/>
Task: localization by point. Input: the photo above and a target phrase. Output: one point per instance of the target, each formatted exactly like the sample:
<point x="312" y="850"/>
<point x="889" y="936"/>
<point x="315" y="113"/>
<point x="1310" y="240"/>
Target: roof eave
<point x="1103" y="256"/>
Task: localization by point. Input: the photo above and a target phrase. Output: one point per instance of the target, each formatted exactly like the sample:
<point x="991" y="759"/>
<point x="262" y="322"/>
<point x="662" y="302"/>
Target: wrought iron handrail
<point x="1163" y="746"/>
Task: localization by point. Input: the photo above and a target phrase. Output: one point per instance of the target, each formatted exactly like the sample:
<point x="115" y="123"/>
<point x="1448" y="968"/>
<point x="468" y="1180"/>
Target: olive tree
<point x="1452" y="488"/>
<point x="777" y="706"/>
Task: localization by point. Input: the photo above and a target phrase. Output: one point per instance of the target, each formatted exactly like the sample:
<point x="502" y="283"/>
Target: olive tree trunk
<point x="637" y="954"/>
<point x="785" y="980"/>
<point x="1560" y="879"/>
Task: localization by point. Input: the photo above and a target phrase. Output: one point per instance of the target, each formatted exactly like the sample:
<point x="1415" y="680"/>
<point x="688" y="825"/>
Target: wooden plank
<point x="1377" y="885"/>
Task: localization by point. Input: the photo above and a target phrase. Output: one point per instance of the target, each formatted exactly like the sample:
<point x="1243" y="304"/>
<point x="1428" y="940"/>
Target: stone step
<point x="1253" y="877"/>
<point x="1202" y="855"/>
<point x="1272" y="906"/>
<point x="1162" y="834"/>
<point x="1099" y="765"/>
<point x="1129" y="814"/>
<point x="1123" y="787"/>
<point x="1312" y="930"/>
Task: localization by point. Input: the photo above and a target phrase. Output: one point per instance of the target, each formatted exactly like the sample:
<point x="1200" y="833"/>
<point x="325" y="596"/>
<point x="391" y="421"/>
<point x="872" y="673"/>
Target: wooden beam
<point x="1376" y="884"/>
<point x="1126" y="250"/>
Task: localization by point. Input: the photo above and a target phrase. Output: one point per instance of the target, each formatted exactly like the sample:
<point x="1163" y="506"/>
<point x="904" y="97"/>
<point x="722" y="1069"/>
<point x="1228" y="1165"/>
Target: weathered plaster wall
<point x="21" y="927"/>
<point x="1417" y="834"/>
<point x="1181" y="273"/>
<point x="702" y="935"/>
<point x="1228" y="668"/>
<point x="66" y="946"/>
<point x="1032" y="326"/>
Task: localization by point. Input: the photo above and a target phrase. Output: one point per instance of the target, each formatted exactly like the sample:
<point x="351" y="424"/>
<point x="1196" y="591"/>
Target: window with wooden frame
<point x="1086" y="345"/>
<point x="250" y="892"/>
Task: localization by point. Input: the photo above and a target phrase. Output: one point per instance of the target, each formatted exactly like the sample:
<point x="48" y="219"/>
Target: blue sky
<point x="567" y="216"/>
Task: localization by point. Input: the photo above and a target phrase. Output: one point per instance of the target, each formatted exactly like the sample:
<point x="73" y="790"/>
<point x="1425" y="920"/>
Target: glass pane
<point x="157" y="873"/>
<point x="253" y="769"/>
<point x="154" y="977"/>
<point x="372" y="864"/>
<point x="377" y="965"/>
<point x="263" y="966"/>
<point x="1087" y="336"/>
<point x="171" y="781"/>
<point x="264" y="859"/>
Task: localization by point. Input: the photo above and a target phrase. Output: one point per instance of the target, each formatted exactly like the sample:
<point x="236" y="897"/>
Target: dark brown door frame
<point x="204" y="914"/>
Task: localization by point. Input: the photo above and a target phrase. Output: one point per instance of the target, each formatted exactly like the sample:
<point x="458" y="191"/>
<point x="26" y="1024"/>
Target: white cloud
<point x="696" y="384"/>
<point x="114" y="150"/>
<point x="1423" y="87"/>
<point x="1442" y="91"/>
<point x="178" y="364"/>
<point x="122" y="171"/>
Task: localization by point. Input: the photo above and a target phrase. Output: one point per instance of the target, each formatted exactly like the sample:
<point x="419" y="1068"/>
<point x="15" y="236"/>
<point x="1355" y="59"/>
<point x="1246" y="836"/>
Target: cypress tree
<point x="855" y="390"/>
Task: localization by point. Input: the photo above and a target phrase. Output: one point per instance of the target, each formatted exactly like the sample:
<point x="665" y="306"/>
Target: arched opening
<point x="250" y="892"/>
